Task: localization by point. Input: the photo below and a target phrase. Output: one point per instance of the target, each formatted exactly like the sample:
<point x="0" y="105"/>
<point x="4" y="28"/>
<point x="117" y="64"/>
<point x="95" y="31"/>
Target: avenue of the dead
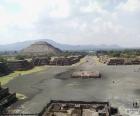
<point x="118" y="84"/>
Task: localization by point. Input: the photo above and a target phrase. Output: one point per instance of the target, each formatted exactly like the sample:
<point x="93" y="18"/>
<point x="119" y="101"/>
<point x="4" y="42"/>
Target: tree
<point x="4" y="68"/>
<point x="20" y="57"/>
<point x="2" y="59"/>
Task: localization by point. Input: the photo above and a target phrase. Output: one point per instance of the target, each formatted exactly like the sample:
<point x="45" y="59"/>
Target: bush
<point x="4" y="68"/>
<point x="2" y="59"/>
<point x="20" y="57"/>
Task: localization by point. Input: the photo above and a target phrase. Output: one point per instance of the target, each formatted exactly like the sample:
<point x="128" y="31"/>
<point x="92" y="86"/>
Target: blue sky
<point x="71" y="21"/>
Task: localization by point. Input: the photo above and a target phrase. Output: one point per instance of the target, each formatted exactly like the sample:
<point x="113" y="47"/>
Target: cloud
<point x="71" y="21"/>
<point x="58" y="8"/>
<point x="93" y="6"/>
<point x="130" y="6"/>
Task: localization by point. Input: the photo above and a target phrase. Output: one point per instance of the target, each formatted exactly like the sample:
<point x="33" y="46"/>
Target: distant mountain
<point x="21" y="45"/>
<point x="40" y="48"/>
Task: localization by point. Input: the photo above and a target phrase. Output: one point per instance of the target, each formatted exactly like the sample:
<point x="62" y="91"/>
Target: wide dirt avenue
<point x="120" y="85"/>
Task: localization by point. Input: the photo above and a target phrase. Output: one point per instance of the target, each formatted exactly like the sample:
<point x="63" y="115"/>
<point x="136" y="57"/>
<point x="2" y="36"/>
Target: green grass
<point x="80" y="62"/>
<point x="5" y="79"/>
<point x="21" y="96"/>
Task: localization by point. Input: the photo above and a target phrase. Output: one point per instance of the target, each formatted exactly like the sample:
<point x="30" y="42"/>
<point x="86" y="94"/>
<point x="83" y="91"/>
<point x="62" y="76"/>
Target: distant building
<point x="59" y="61"/>
<point x="39" y="61"/>
<point x="69" y="60"/>
<point x="123" y="61"/>
<point x="41" y="48"/>
<point x="115" y="61"/>
<point x="118" y="60"/>
<point x="135" y="61"/>
<point x="19" y="65"/>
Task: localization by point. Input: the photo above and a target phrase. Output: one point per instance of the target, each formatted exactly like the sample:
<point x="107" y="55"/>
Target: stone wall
<point x="6" y="99"/>
<point x="3" y="69"/>
<point x="19" y="65"/>
<point x="40" y="61"/>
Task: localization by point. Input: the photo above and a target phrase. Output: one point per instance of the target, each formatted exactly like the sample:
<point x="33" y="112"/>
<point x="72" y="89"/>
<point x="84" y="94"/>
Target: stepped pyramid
<point x="41" y="48"/>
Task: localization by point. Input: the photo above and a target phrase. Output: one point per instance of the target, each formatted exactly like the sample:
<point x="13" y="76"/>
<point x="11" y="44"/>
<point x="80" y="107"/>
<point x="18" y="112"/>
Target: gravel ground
<point x="119" y="85"/>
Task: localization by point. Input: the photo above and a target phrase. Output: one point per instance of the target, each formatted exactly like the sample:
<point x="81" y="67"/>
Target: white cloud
<point x="28" y="14"/>
<point x="93" y="6"/>
<point x="58" y="8"/>
<point x="3" y="18"/>
<point x="130" y="6"/>
<point x="31" y="11"/>
<point x="70" y="21"/>
<point x="24" y="19"/>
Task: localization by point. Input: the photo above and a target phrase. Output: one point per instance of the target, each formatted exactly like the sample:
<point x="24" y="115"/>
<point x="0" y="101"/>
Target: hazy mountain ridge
<point x="21" y="45"/>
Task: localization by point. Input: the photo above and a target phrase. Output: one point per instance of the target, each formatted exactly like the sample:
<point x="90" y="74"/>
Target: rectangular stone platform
<point x="76" y="108"/>
<point x="86" y="74"/>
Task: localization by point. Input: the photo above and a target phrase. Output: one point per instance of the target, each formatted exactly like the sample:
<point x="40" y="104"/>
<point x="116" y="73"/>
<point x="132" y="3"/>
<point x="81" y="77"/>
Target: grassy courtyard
<point x="5" y="79"/>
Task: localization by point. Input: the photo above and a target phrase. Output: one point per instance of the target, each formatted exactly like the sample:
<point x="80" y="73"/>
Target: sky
<point x="71" y="21"/>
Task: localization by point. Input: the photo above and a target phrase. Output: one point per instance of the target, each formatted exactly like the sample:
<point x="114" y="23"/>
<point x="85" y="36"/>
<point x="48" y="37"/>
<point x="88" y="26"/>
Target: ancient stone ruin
<point x="78" y="108"/>
<point x="41" y="48"/>
<point x="69" y="60"/>
<point x="3" y="69"/>
<point x="6" y="99"/>
<point x="86" y="74"/>
<point x="19" y="65"/>
<point x="118" y="60"/>
<point x="39" y="61"/>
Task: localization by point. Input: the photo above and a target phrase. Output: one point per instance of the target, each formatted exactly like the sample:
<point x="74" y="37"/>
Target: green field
<point x="5" y="79"/>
